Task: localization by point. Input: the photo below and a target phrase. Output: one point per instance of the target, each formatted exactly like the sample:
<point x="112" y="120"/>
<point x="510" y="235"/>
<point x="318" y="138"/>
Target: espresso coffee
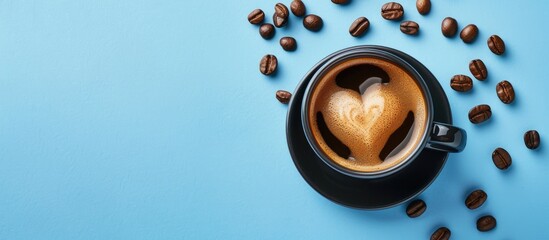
<point x="367" y="114"/>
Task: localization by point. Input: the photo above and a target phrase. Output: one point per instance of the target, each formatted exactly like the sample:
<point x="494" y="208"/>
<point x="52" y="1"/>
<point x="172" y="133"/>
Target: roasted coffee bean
<point x="416" y="208"/>
<point x="256" y="16"/>
<point x="442" y="233"/>
<point x="312" y="22"/>
<point x="268" y="64"/>
<point x="279" y="21"/>
<point x="478" y="69"/>
<point x="392" y="11"/>
<point x="283" y="96"/>
<point x="449" y="27"/>
<point x="267" y="31"/>
<point x="298" y="8"/>
<point x="281" y="10"/>
<point x="288" y="43"/>
<point x="461" y="83"/>
<point x="359" y="27"/>
<point x="486" y="223"/>
<point x="531" y="139"/>
<point x="480" y="113"/>
<point x="340" y="1"/>
<point x="280" y="17"/>
<point x="496" y="44"/>
<point x="501" y="158"/>
<point x="409" y="27"/>
<point x="476" y="199"/>
<point x="505" y="92"/>
<point x="423" y="6"/>
<point x="469" y="33"/>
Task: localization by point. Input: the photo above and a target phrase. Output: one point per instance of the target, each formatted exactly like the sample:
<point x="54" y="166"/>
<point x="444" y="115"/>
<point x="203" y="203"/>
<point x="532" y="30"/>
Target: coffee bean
<point x="392" y="11"/>
<point x="505" y="92"/>
<point x="531" y="139"/>
<point x="442" y="233"/>
<point x="469" y="33"/>
<point x="288" y="43"/>
<point x="409" y="27"/>
<point x="340" y="1"/>
<point x="298" y="8"/>
<point x="312" y="22"/>
<point x="281" y="10"/>
<point x="486" y="223"/>
<point x="461" y="83"/>
<point x="256" y="16"/>
<point x="283" y="96"/>
<point x="480" y="113"/>
<point x="267" y="31"/>
<point x="423" y="6"/>
<point x="501" y="158"/>
<point x="476" y="199"/>
<point x="280" y="17"/>
<point x="496" y="44"/>
<point x="279" y="21"/>
<point x="449" y="27"/>
<point x="359" y="27"/>
<point x="478" y="69"/>
<point x="268" y="64"/>
<point x="416" y="208"/>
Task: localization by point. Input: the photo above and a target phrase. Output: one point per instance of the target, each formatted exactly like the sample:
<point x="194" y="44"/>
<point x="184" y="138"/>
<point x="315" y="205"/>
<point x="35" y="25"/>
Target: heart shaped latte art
<point x="364" y="122"/>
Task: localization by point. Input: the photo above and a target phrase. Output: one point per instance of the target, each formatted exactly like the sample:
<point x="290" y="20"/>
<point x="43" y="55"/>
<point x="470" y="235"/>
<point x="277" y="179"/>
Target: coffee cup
<point x="368" y="113"/>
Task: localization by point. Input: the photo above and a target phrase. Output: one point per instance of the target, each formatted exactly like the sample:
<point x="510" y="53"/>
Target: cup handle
<point x="447" y="138"/>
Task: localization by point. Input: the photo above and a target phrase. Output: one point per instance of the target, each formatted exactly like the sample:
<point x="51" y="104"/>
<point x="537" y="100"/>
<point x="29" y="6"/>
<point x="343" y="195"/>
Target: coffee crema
<point x="367" y="114"/>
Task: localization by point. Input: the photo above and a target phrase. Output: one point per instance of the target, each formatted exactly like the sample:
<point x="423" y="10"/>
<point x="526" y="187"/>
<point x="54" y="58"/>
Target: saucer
<point x="365" y="193"/>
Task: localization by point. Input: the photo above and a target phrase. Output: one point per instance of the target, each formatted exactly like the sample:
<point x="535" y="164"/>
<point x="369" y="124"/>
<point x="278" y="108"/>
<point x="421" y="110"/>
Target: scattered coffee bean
<point x="531" y="139"/>
<point x="288" y="43"/>
<point x="279" y="21"/>
<point x="409" y="27"/>
<point x="281" y="10"/>
<point x="476" y="199"/>
<point x="392" y="11"/>
<point x="442" y="233"/>
<point x="340" y="1"/>
<point x="268" y="64"/>
<point x="469" y="33"/>
<point x="416" y="208"/>
<point x="280" y="17"/>
<point x="312" y="22"/>
<point x="461" y="83"/>
<point x="267" y="31"/>
<point x="478" y="69"/>
<point x="423" y="6"/>
<point x="359" y="27"/>
<point x="449" y="27"/>
<point x="298" y="8"/>
<point x="486" y="223"/>
<point x="505" y="92"/>
<point x="496" y="44"/>
<point x="256" y="16"/>
<point x="501" y="158"/>
<point x="283" y="96"/>
<point x="480" y="113"/>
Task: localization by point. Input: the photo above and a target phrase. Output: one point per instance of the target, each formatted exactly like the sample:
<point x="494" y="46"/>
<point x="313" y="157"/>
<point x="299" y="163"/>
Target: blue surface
<point x="149" y="119"/>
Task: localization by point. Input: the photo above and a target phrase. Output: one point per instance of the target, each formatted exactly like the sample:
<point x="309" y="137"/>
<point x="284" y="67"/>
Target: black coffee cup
<point x="436" y="136"/>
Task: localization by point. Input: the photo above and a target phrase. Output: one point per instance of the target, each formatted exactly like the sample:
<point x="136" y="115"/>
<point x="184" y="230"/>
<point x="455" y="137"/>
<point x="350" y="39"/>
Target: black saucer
<point x="365" y="193"/>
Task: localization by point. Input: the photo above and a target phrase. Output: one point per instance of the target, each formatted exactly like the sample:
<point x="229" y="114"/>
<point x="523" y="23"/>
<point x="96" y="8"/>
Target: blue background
<point x="142" y="119"/>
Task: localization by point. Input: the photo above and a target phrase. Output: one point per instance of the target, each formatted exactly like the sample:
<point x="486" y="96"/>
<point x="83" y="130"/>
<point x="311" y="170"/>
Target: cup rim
<point x="375" y="52"/>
